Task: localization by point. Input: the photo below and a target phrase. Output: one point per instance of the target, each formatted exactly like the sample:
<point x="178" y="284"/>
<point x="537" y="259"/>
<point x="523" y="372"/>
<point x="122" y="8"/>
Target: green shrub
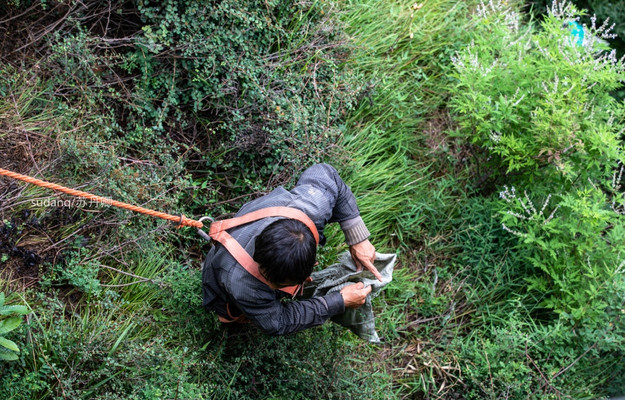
<point x="241" y="95"/>
<point x="577" y="248"/>
<point x="517" y="358"/>
<point x="611" y="10"/>
<point x="538" y="109"/>
<point x="515" y="340"/>
<point x="96" y="354"/>
<point x="238" y="87"/>
<point x="539" y="106"/>
<point x="536" y="103"/>
<point x="9" y="320"/>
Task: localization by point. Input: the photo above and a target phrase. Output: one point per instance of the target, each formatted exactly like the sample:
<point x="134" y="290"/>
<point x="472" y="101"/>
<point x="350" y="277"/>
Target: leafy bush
<point x="517" y="358"/>
<point x="515" y="342"/>
<point x="126" y="350"/>
<point x="611" y="10"/>
<point x="239" y="87"/>
<point x="95" y="353"/>
<point x="559" y="134"/>
<point x="9" y="322"/>
<point x="579" y="247"/>
<point x="538" y="103"/>
<point x="537" y="106"/>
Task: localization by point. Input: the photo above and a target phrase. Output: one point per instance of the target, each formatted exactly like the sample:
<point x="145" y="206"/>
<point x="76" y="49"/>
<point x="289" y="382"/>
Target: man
<point x="284" y="251"/>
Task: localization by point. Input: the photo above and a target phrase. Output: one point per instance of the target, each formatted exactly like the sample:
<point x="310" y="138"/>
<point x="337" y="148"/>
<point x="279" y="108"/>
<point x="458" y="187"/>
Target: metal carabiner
<point x="201" y="232"/>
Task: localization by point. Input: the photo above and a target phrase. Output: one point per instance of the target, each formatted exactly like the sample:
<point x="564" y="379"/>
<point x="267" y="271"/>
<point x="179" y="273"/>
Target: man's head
<point x="286" y="252"/>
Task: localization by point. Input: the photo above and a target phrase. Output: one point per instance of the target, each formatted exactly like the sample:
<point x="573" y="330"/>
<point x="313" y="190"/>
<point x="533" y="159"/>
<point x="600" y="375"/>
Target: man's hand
<point x="363" y="254"/>
<point x="355" y="295"/>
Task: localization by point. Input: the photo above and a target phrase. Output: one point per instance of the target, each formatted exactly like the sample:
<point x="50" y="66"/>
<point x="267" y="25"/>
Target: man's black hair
<point x="286" y="252"/>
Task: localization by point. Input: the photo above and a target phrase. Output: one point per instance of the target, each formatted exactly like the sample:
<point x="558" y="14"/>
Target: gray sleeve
<point x="275" y="317"/>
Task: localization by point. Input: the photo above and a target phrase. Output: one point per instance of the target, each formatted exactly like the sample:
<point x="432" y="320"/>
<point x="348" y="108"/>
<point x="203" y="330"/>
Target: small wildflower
<point x="411" y="35"/>
<point x="530" y="203"/>
<point x="619" y="269"/>
<point x="545" y="204"/>
<point x="417" y="6"/>
<point x="495" y="136"/>
<point x="519" y="216"/>
<point x="616" y="186"/>
<point x="570" y="89"/>
<point x="551" y="215"/>
<point x="561" y="9"/>
<point x="616" y="181"/>
<point x="507" y="195"/>
<point x="512" y="231"/>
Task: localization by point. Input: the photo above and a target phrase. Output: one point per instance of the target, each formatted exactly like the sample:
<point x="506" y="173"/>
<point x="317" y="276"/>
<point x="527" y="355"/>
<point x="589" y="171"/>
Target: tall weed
<point x="537" y="104"/>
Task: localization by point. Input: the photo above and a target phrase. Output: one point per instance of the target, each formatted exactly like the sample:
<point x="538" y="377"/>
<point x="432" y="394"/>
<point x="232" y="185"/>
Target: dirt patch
<point x="440" y="145"/>
<point x="23" y="242"/>
<point x="25" y="146"/>
<point x="436" y="131"/>
<point x="422" y="345"/>
<point x="15" y="154"/>
<point x="21" y="254"/>
<point x="28" y="243"/>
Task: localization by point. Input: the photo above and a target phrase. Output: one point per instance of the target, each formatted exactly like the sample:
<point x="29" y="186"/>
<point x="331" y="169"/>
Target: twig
<point x="563" y="370"/>
<point x="28" y="10"/>
<point x="236" y="198"/>
<point x="45" y="32"/>
<point x="536" y="366"/>
<point x="127" y="284"/>
<point x="141" y="278"/>
<point x="30" y="149"/>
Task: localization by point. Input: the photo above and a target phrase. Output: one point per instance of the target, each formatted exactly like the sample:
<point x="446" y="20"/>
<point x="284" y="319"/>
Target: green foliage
<point x="400" y="54"/>
<point x="496" y="366"/>
<point x="77" y="272"/>
<point x="517" y="358"/>
<point x="612" y="10"/>
<point x="578" y="246"/>
<point x="538" y="108"/>
<point x="605" y="10"/>
<point x="123" y="350"/>
<point x="536" y="102"/>
<point x="9" y="322"/>
<point x="96" y="354"/>
<point x="517" y="342"/>
<point x="220" y="81"/>
<point x="197" y="107"/>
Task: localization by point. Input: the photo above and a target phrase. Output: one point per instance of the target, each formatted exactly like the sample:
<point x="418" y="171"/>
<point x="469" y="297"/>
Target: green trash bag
<point x="361" y="320"/>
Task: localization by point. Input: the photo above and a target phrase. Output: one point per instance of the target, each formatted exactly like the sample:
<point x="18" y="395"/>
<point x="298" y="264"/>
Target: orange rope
<point x="181" y="219"/>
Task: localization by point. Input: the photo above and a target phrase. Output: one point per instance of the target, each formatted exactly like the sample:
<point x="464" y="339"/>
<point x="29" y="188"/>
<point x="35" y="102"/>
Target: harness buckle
<point x="201" y="232"/>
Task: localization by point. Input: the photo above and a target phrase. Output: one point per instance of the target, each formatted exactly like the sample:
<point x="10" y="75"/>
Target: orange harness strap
<point x="218" y="233"/>
<point x="241" y="319"/>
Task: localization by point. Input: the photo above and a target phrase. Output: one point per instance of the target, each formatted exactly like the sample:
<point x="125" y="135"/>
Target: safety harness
<point x="217" y="229"/>
<point x="218" y="232"/>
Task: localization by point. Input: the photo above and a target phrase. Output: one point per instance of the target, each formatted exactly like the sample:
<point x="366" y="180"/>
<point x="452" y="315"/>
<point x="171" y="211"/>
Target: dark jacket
<point x="324" y="197"/>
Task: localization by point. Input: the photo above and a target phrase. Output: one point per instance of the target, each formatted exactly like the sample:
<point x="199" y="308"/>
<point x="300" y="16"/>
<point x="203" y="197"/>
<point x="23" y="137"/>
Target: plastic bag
<point x="361" y="320"/>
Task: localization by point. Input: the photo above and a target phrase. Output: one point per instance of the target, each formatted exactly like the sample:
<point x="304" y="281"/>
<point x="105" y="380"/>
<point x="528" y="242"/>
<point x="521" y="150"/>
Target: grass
<point x="83" y="346"/>
<point x="405" y="196"/>
<point x="389" y="163"/>
<point x="122" y="318"/>
<point x="142" y="333"/>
